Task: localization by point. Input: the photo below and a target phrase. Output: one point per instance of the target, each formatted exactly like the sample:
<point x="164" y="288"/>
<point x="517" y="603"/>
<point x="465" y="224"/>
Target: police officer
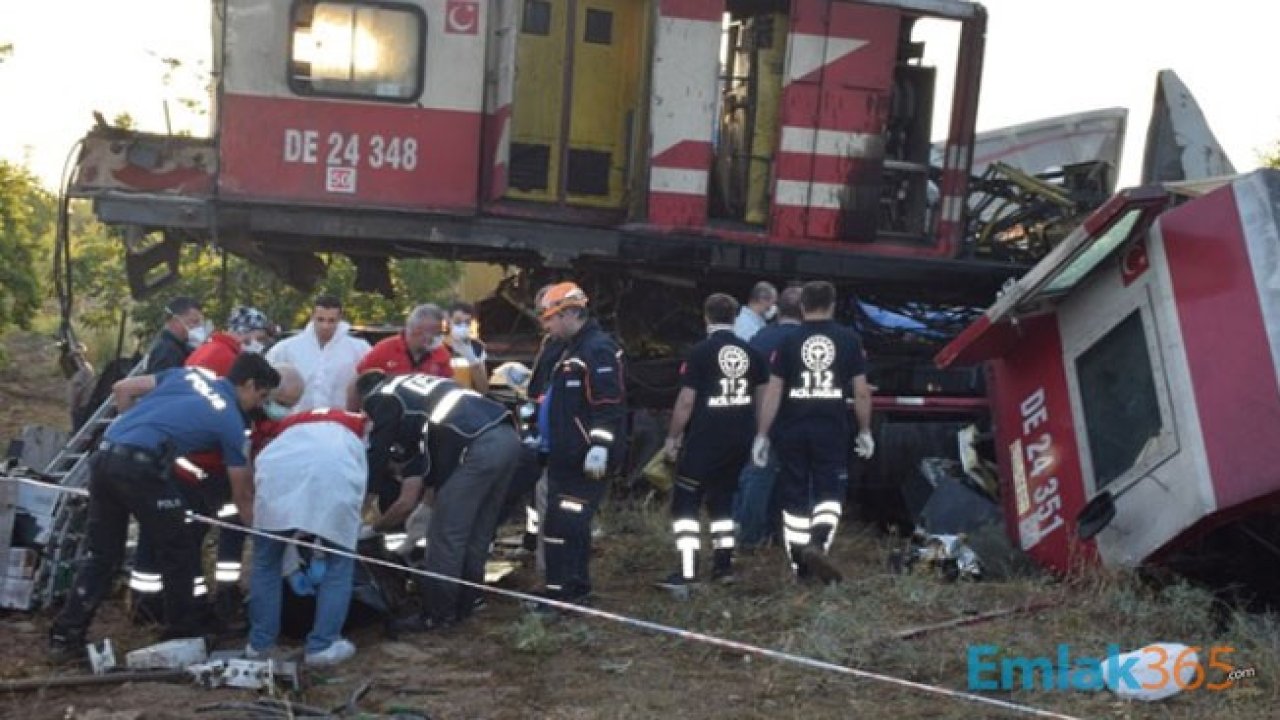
<point x="710" y="439"/>
<point x="812" y="373"/>
<point x="463" y="445"/>
<point x="185" y="329"/>
<point x="177" y="411"/>
<point x="582" y="418"/>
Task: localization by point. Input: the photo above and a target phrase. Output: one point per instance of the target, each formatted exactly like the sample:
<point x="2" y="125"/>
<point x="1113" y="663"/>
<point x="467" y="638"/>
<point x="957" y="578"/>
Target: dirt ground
<point x="505" y="664"/>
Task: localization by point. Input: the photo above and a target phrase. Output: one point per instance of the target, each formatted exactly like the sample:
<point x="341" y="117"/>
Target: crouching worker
<point x="309" y="482"/>
<point x="467" y="448"/>
<point x="172" y="413"/>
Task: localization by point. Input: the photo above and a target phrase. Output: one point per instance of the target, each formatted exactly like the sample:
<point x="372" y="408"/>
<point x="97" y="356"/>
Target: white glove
<point x="760" y="451"/>
<point x="865" y="445"/>
<point x="671" y="449"/>
<point x="416" y="526"/>
<point x="597" y="462"/>
<point x="467" y="351"/>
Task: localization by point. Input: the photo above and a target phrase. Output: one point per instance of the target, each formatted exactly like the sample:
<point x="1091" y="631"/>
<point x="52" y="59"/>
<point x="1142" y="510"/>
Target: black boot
<point x="722" y="567"/>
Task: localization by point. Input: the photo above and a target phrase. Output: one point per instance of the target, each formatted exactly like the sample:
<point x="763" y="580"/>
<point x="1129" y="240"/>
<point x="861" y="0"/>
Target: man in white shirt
<point x="759" y="309"/>
<point x="325" y="354"/>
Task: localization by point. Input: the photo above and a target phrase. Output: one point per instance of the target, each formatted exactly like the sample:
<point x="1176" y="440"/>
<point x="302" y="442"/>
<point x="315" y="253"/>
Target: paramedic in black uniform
<point x="710" y="439"/>
<point x="813" y="373"/>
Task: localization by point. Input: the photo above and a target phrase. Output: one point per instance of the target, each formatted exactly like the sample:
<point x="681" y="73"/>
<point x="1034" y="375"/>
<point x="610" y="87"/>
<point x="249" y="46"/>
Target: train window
<point x="599" y="27"/>
<point x="1120" y="230"/>
<point x="364" y="50"/>
<point x="537" y="17"/>
<point x="1121" y="408"/>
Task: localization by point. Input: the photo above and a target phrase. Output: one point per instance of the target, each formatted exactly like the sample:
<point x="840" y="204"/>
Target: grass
<point x="854" y="623"/>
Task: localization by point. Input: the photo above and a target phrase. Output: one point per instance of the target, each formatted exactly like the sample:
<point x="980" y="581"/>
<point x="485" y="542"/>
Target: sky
<point x="1043" y="58"/>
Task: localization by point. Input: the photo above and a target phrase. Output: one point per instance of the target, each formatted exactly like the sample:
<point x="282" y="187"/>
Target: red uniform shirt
<point x="266" y="431"/>
<point x="217" y="355"/>
<point x="392" y="357"/>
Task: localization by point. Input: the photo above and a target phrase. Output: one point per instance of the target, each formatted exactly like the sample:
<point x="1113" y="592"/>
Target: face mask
<point x="435" y="342"/>
<point x="197" y="335"/>
<point x="771" y="313"/>
<point x="461" y="331"/>
<point x="274" y="410"/>
<point x="253" y="346"/>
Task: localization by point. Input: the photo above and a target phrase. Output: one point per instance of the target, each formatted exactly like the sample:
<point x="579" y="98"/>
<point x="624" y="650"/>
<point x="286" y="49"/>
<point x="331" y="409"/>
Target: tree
<point x="1271" y="159"/>
<point x="26" y="221"/>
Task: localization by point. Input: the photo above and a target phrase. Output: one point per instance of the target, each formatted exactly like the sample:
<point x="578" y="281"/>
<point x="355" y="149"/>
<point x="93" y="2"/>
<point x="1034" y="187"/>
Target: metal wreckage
<point x="1116" y="401"/>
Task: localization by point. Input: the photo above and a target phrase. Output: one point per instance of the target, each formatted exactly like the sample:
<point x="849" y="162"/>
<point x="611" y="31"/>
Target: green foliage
<point x="102" y="292"/>
<point x="6" y="50"/>
<point x="26" y="220"/>
<point x="1271" y="158"/>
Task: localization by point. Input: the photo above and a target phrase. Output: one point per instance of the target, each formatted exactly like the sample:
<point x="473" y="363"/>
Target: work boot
<point x="66" y="647"/>
<point x="678" y="585"/>
<point x="722" y="568"/>
<point x="816" y="562"/>
<point x="228" y="608"/>
<point x="146" y="608"/>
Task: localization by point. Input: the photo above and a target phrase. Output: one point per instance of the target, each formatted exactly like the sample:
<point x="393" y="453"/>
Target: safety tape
<point x="621" y="619"/>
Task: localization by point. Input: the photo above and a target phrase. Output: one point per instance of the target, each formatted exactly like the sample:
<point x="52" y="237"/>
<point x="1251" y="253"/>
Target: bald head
<point x="291" y="387"/>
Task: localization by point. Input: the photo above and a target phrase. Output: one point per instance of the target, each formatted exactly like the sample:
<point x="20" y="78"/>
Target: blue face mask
<point x="274" y="410"/>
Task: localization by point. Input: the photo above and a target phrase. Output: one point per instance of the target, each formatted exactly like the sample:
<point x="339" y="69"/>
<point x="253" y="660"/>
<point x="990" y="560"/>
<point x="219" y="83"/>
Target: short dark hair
<point x="255" y="367"/>
<point x="181" y="305"/>
<point x="462" y="306"/>
<point x="763" y="290"/>
<point x="789" y="304"/>
<point x="720" y="308"/>
<point x="817" y="295"/>
<point x="368" y="380"/>
<point x="328" y="302"/>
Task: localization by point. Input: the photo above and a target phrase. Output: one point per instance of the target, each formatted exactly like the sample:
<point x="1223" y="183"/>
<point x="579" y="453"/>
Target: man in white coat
<point x="324" y="353"/>
<point x="309" y="481"/>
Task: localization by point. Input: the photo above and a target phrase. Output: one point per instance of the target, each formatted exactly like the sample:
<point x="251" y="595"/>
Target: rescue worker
<point x="709" y="439"/>
<point x="184" y="330"/>
<point x="813" y="373"/>
<point x="419" y="348"/>
<point x="247" y="329"/>
<point x="179" y="411"/>
<point x="582" y="418"/>
<point x="325" y="353"/>
<point x="755" y="507"/>
<point x="760" y="309"/>
<point x="544" y="362"/>
<point x="309" y="481"/>
<point x="462" y="445"/>
<point x="467" y="356"/>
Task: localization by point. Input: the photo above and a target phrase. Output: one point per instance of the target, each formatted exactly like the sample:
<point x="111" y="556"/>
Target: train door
<point x="576" y="103"/>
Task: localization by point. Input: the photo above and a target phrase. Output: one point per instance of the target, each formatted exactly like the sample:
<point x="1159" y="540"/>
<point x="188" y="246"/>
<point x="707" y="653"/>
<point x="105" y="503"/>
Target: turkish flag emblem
<point x="1134" y="262"/>
<point x="462" y="17"/>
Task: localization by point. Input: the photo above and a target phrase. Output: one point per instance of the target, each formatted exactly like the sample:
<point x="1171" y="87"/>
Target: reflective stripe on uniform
<point x="531" y="520"/>
<point x="226" y="571"/>
<point x="601" y="435"/>
<point x="198" y="587"/>
<point x="145" y="582"/>
<point x="722" y="534"/>
<point x="227" y="510"/>
<point x="795" y="530"/>
<point x="393" y="541"/>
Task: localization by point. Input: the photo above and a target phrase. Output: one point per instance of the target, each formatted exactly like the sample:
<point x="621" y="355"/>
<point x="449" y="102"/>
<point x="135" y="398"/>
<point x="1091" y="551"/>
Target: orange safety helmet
<point x="561" y="296"/>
